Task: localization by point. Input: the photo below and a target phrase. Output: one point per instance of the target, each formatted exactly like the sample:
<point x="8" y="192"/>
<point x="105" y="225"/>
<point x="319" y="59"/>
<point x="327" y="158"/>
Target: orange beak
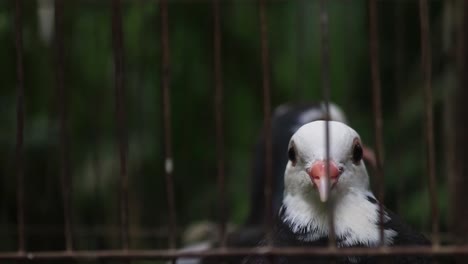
<point x="318" y="175"/>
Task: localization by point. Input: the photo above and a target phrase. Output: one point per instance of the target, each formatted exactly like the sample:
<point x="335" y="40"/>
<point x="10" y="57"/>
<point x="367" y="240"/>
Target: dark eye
<point x="292" y="155"/>
<point x="357" y="153"/>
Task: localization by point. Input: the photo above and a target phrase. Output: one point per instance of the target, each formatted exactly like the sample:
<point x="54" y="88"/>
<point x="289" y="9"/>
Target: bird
<point x="303" y="218"/>
<point x="287" y="118"/>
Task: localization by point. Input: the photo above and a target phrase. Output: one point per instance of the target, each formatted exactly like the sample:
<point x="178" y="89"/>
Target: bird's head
<point x="306" y="171"/>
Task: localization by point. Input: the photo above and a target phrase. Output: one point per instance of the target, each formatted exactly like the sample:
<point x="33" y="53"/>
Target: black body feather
<point x="284" y="237"/>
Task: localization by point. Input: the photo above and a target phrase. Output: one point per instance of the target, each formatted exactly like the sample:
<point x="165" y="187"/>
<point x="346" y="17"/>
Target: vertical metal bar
<point x="64" y="134"/>
<point x="426" y="68"/>
<point x="218" y="111"/>
<point x="165" y="78"/>
<point x="449" y="101"/>
<point x="19" y="125"/>
<point x="399" y="64"/>
<point x="117" y="43"/>
<point x="349" y="33"/>
<point x="267" y="116"/>
<point x="325" y="71"/>
<point x="377" y="109"/>
<point x="300" y="49"/>
<point x="460" y="130"/>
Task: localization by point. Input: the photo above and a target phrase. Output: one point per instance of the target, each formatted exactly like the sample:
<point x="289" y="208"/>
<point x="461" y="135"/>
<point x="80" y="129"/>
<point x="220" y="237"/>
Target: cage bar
<point x="459" y="225"/>
<point x="117" y="43"/>
<point x="453" y="250"/>
<point x="325" y="72"/>
<point x="19" y="125"/>
<point x="377" y="109"/>
<point x="218" y="112"/>
<point x="426" y="69"/>
<point x="64" y="139"/>
<point x="399" y="31"/>
<point x="301" y="6"/>
<point x="165" y="78"/>
<point x="266" y="115"/>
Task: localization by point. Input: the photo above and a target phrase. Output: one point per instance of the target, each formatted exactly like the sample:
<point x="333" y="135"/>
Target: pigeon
<point x="302" y="220"/>
<point x="287" y="118"/>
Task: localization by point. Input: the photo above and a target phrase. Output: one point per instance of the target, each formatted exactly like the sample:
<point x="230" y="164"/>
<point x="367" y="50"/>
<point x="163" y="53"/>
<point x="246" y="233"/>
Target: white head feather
<point x="356" y="219"/>
<point x="310" y="146"/>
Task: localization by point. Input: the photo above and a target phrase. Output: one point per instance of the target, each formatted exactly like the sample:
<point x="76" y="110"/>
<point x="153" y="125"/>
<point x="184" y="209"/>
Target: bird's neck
<point x="355" y="218"/>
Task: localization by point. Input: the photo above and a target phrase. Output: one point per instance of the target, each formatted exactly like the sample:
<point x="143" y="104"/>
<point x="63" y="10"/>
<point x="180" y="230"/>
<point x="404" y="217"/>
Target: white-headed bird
<point x="309" y="192"/>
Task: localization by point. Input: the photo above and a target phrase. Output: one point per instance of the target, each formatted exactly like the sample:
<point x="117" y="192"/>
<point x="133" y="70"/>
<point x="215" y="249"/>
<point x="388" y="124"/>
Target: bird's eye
<point x="292" y="155"/>
<point x="357" y="153"/>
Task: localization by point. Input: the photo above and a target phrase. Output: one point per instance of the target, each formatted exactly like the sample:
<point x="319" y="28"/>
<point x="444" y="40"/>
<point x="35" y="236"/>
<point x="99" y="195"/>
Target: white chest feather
<point x="356" y="220"/>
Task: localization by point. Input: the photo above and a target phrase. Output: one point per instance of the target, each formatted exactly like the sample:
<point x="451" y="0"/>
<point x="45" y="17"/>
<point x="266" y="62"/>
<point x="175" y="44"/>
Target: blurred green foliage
<point x="294" y="42"/>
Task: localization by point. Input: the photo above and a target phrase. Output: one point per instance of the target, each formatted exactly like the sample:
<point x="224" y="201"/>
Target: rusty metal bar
<point x="450" y="129"/>
<point x="377" y="109"/>
<point x="399" y="31"/>
<point x="458" y="197"/>
<point x="84" y="231"/>
<point x="117" y="43"/>
<point x="349" y="33"/>
<point x="19" y="125"/>
<point x="218" y="111"/>
<point x="65" y="178"/>
<point x="168" y="166"/>
<point x="325" y="71"/>
<point x="266" y="251"/>
<point x="300" y="49"/>
<point x="113" y="232"/>
<point x="426" y="68"/>
<point x="267" y="116"/>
